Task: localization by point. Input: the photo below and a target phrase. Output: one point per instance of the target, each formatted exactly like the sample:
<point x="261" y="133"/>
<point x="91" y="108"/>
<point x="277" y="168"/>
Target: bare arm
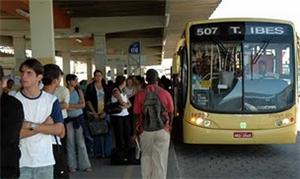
<point x="47" y="127"/>
<point x="26" y="132"/>
<point x="64" y="105"/>
<point x="90" y="106"/>
<point x="52" y="129"/>
<point x="117" y="94"/>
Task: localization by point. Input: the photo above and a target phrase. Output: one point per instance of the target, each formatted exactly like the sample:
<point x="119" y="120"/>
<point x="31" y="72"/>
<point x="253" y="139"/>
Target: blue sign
<point x="134" y="48"/>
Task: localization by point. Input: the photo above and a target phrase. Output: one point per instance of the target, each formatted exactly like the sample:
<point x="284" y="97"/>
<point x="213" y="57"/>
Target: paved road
<point x="214" y="162"/>
<point x="103" y="169"/>
<point x="239" y="161"/>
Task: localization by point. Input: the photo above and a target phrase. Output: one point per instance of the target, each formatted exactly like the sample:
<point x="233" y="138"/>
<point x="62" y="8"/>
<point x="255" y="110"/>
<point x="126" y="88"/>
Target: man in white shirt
<point x="63" y="95"/>
<point x="36" y="134"/>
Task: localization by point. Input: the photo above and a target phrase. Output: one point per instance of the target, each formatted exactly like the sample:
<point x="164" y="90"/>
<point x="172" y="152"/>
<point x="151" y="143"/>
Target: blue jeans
<point x="75" y="140"/>
<point x="103" y="143"/>
<point x="36" y="173"/>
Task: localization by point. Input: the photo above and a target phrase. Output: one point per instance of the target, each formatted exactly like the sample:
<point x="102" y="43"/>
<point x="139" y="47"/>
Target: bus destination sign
<point x="240" y="29"/>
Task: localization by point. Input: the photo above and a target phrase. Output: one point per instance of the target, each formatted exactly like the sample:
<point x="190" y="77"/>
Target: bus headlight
<point x="283" y="122"/>
<point x="199" y="121"/>
<point x="206" y="123"/>
<point x="278" y="123"/>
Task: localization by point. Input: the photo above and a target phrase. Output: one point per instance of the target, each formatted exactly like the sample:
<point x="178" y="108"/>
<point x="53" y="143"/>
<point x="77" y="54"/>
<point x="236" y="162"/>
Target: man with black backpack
<point x="153" y="108"/>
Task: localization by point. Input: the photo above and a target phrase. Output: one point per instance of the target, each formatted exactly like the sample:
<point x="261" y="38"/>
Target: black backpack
<point x="153" y="112"/>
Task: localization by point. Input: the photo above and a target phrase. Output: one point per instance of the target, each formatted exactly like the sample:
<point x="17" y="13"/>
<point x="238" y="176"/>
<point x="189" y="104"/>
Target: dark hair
<point x="1" y="72"/>
<point x="70" y="77"/>
<point x="83" y="82"/>
<point x="141" y="80"/>
<point x="151" y="76"/>
<point x="10" y="81"/>
<point x="34" y="64"/>
<point x="129" y="78"/>
<point x="119" y="80"/>
<point x="51" y="72"/>
<point x="97" y="71"/>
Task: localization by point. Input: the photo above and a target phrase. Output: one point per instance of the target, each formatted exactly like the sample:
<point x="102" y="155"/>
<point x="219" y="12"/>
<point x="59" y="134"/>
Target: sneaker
<point x="72" y="170"/>
<point x="88" y="170"/>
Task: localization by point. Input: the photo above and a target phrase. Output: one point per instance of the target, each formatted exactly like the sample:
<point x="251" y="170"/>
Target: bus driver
<point x="200" y="69"/>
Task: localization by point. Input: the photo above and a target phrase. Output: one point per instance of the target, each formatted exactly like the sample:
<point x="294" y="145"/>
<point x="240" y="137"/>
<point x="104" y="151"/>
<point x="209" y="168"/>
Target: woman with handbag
<point x="120" y="121"/>
<point x="96" y="99"/>
<point x="75" y="137"/>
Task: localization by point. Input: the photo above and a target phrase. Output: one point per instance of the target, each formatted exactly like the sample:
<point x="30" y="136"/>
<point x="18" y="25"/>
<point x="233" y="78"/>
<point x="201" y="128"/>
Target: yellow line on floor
<point x="128" y="172"/>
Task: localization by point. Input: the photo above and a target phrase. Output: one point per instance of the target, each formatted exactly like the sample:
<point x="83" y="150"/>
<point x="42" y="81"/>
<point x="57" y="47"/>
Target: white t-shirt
<point x="63" y="95"/>
<point x="36" y="150"/>
<point x="124" y="112"/>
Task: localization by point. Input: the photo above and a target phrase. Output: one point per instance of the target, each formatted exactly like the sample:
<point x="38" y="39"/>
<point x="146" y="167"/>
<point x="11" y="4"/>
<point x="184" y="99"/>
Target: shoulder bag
<point x="97" y="126"/>
<point x="61" y="169"/>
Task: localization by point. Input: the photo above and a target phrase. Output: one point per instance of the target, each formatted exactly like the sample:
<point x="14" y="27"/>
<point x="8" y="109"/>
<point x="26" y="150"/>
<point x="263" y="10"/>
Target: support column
<point x="66" y="62"/>
<point x="89" y="68"/>
<point x="142" y="71"/>
<point x="100" y="52"/>
<point x="120" y="69"/>
<point x="112" y="69"/>
<point x="42" y="30"/>
<point x="20" y="51"/>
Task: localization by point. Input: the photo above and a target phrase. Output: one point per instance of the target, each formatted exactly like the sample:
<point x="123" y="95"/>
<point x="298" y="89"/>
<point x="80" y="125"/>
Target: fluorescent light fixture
<point x="78" y="40"/>
<point x="167" y="15"/>
<point x="164" y="42"/>
<point x="23" y="13"/>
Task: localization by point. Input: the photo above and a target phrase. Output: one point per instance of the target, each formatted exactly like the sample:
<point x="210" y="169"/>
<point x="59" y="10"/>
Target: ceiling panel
<point x="102" y="8"/>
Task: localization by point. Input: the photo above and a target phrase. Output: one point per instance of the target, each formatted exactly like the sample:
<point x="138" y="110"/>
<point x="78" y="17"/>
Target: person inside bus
<point x="262" y="68"/>
<point x="263" y="71"/>
<point x="200" y="69"/>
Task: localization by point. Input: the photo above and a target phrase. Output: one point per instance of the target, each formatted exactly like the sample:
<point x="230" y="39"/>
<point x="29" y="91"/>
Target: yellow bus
<point x="235" y="82"/>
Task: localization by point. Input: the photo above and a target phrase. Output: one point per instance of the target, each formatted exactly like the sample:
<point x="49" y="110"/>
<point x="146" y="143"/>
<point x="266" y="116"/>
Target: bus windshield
<point x="247" y="75"/>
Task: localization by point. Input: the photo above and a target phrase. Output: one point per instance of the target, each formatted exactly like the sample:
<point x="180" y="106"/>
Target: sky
<point x="278" y="9"/>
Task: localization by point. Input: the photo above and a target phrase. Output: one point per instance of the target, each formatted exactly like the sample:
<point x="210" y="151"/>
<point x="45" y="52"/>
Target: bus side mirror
<point x="176" y="64"/>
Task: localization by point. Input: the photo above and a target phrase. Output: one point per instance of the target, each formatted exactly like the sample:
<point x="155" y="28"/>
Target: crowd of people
<point x="48" y="116"/>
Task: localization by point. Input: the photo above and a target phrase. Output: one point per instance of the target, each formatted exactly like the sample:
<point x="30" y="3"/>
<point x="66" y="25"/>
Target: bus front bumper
<point x="197" y="135"/>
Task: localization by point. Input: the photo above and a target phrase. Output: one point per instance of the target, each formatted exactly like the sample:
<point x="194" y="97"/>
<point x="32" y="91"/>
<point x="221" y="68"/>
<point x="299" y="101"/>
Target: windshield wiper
<point x="262" y="49"/>
<point x="256" y="57"/>
<point x="224" y="50"/>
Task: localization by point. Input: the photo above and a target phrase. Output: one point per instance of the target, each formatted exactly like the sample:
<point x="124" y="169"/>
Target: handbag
<point x="97" y="126"/>
<point x="61" y="169"/>
<point x="114" y="108"/>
